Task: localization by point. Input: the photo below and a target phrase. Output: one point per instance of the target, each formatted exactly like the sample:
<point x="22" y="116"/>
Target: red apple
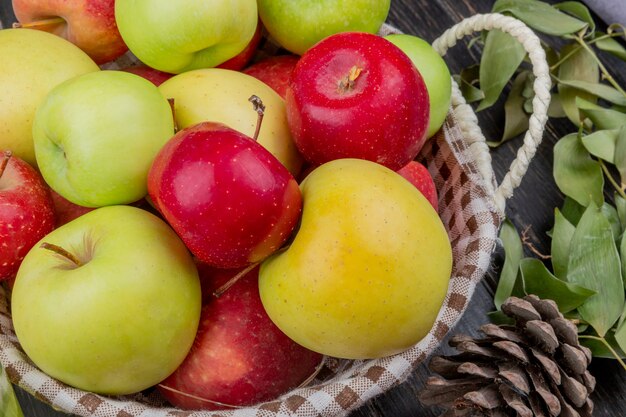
<point x="239" y="356"/>
<point x="418" y="175"/>
<point x="356" y="95"/>
<point x="274" y="71"/>
<point x="26" y="213"/>
<point x="65" y="211"/>
<point x="230" y="200"/>
<point x="155" y="76"/>
<point x="240" y="60"/>
<point x="89" y="24"/>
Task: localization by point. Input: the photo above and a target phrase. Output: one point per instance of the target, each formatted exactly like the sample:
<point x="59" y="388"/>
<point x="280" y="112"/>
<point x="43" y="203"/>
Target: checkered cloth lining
<point x="472" y="223"/>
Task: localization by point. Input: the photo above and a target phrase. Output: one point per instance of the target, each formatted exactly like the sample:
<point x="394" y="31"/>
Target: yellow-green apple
<point x="239" y="356"/>
<point x="108" y="303"/>
<point x="230" y="200"/>
<point x="274" y="71"/>
<point x="220" y="95"/>
<point x="39" y="61"/>
<point x="357" y="95"/>
<point x="155" y="76"/>
<point x="89" y="24"/>
<point x="367" y="271"/>
<point x="418" y="175"/>
<point x="26" y="213"/>
<point x="97" y="134"/>
<point x="178" y="36"/>
<point x="435" y="72"/>
<point x="299" y="24"/>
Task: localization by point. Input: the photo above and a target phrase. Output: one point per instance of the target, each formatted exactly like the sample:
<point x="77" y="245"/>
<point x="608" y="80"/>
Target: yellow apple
<point x="33" y="62"/>
<point x="368" y="270"/>
<point x="220" y="95"/>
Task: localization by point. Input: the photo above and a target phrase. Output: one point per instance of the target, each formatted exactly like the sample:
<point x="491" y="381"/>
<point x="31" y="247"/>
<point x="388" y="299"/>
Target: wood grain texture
<point x="532" y="205"/>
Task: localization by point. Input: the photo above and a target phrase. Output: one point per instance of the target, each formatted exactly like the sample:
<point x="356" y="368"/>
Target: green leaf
<point x="620" y="337"/>
<point x="594" y="263"/>
<point x="611" y="46"/>
<point x="579" y="11"/>
<point x="561" y="237"/>
<point x="620" y="153"/>
<point x="601" y="144"/>
<point x="501" y="57"/>
<point x="576" y="174"/>
<point x="555" y="110"/>
<point x="611" y="215"/>
<point x="466" y="81"/>
<point x="601" y="117"/>
<point x="539" y="281"/>
<point x="516" y="119"/>
<point x="540" y="16"/>
<point x="620" y="205"/>
<point x="622" y="253"/>
<point x="9" y="407"/>
<point x="514" y="252"/>
<point x="603" y="91"/>
<point x="579" y="66"/>
<point x="572" y="211"/>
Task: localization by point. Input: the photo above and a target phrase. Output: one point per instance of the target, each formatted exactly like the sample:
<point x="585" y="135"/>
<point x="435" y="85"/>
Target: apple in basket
<point x="26" y="212"/>
<point x="356" y="95"/>
<point x="89" y="24"/>
<point x="35" y="55"/>
<point x="97" y="134"/>
<point x="108" y="303"/>
<point x="239" y="356"/>
<point x="299" y="24"/>
<point x="178" y="36"/>
<point x="368" y="268"/>
<point x="230" y="200"/>
<point x="274" y="71"/>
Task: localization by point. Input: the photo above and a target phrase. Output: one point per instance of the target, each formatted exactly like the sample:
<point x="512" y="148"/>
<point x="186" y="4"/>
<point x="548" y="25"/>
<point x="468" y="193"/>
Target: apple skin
<point x="334" y="111"/>
<point x="299" y="24"/>
<point x="220" y="95"/>
<point x="230" y="200"/>
<point x="239" y="357"/>
<point x="121" y="322"/>
<point x="274" y="71"/>
<point x="39" y="62"/>
<point x="418" y="175"/>
<point x="178" y="36"/>
<point x="435" y="73"/>
<point x="64" y="210"/>
<point x="368" y="269"/>
<point x="239" y="61"/>
<point x="97" y="134"/>
<point x="26" y="213"/>
<point x="155" y="76"/>
<point x="89" y="24"/>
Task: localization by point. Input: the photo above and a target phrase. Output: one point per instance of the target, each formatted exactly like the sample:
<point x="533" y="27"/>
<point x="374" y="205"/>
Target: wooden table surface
<point x="532" y="205"/>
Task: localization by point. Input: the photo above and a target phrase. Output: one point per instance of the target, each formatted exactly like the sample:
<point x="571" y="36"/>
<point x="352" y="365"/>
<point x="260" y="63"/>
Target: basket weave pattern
<point x="471" y="208"/>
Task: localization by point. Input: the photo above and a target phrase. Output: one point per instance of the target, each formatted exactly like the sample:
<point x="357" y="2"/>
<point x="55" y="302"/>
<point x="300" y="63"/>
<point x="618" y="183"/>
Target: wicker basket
<point x="471" y="206"/>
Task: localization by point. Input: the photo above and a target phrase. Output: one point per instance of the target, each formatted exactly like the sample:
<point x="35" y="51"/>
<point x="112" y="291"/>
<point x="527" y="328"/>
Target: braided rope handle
<point x="541" y="101"/>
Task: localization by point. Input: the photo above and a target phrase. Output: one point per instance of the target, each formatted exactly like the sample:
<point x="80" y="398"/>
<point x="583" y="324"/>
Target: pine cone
<point x="535" y="368"/>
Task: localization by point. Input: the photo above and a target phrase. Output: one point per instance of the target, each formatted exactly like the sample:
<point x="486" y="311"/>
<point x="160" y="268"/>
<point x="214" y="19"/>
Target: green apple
<point x="115" y="313"/>
<point x="367" y="271"/>
<point x="33" y="63"/>
<point x="435" y="73"/>
<point x="177" y="36"/>
<point x="220" y="95"/>
<point x="299" y="24"/>
<point x="97" y="134"/>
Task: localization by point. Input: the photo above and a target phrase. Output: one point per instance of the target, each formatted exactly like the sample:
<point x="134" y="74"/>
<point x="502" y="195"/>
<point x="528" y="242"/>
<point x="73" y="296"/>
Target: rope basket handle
<point x="540" y="102"/>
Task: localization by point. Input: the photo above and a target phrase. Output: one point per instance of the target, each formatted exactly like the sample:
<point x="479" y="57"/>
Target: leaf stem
<point x="608" y="346"/>
<point x="605" y="73"/>
<point x="614" y="183"/>
<point x="573" y="51"/>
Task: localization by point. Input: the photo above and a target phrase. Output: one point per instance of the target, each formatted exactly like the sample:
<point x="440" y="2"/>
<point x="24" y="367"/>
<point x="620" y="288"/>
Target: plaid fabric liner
<point x="472" y="223"/>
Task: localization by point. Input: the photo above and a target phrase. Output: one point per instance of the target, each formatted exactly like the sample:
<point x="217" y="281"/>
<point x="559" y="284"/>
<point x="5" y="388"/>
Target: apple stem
<point x="39" y="23"/>
<point x="60" y="251"/>
<point x="171" y="102"/>
<point x="221" y="290"/>
<point x="259" y="107"/>
<point x="5" y="161"/>
<point x="347" y="82"/>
